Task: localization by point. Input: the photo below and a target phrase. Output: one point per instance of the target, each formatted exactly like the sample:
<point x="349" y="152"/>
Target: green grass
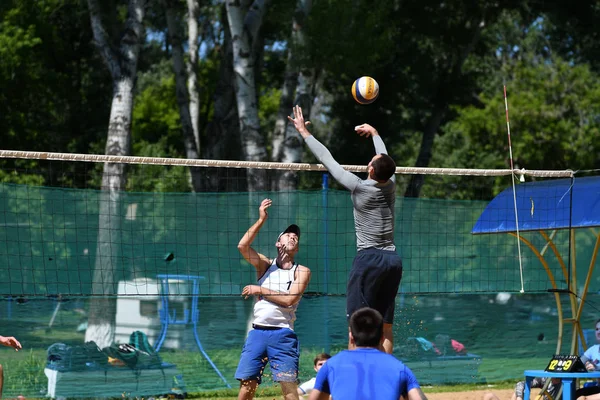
<point x="25" y="370"/>
<point x="506" y="353"/>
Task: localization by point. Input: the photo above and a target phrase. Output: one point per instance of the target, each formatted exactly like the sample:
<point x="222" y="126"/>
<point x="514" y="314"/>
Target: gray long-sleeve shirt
<point x="373" y="201"/>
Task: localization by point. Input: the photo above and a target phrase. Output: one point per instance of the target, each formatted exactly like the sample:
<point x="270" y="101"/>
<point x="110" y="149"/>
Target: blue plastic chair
<point x="189" y="316"/>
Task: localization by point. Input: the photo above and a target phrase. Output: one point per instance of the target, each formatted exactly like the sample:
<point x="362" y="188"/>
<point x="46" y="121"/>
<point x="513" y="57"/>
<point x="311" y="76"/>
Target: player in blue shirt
<point x="366" y="372"/>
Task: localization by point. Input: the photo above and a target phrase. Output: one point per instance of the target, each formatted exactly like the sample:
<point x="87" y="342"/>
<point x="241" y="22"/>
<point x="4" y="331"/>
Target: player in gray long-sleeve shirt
<point x="377" y="268"/>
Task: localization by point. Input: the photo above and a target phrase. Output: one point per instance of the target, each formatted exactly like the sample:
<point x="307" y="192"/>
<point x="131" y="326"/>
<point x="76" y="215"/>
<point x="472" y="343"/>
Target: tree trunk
<point x="192" y="67"/>
<point x="290" y="79"/>
<point x="181" y="91"/>
<point x="123" y="67"/>
<point x="293" y="143"/>
<point x="287" y="143"/>
<point x="425" y="151"/>
<point x="440" y="106"/>
<point x="286" y="102"/>
<point x="222" y="133"/>
<point x="101" y="322"/>
<point x="243" y="35"/>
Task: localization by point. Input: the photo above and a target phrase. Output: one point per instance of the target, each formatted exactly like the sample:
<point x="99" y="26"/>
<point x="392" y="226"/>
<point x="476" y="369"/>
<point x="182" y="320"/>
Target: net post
<point x="325" y="189"/>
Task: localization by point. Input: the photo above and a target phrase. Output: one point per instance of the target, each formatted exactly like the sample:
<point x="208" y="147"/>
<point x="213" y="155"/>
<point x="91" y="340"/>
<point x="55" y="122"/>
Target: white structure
<point x="138" y="309"/>
<point x="113" y="382"/>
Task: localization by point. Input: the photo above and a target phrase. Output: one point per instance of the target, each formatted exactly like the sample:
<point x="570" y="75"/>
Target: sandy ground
<point x="503" y="394"/>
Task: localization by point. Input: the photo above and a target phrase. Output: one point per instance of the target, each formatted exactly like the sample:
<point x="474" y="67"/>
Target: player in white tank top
<point x="281" y="283"/>
<point x="267" y="313"/>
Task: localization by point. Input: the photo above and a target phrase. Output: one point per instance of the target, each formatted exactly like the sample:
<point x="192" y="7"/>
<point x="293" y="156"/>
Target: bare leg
<point x="247" y="389"/>
<point x="289" y="390"/>
<point x="1" y="379"/>
<point x="388" y="338"/>
<point x="514" y="397"/>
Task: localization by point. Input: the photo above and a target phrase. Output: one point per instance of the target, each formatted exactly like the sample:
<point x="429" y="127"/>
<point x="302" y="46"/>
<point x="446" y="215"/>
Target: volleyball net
<point x="51" y="225"/>
<point x="64" y="241"/>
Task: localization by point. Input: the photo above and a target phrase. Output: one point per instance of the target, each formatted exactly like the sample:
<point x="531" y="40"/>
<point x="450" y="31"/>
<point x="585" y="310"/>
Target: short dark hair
<point x="366" y="325"/>
<point x="321" y="357"/>
<point x="384" y="167"/>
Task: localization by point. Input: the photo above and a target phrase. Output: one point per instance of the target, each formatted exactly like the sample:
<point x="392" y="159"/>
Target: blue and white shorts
<point x="278" y="346"/>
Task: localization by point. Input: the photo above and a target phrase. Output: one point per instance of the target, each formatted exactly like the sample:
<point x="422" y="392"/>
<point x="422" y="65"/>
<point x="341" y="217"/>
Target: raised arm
<point x="367" y="130"/>
<point x="259" y="261"/>
<point x="283" y="299"/>
<point x="345" y="178"/>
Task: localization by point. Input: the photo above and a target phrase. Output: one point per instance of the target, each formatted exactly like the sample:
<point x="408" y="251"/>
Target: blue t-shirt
<point x="365" y="373"/>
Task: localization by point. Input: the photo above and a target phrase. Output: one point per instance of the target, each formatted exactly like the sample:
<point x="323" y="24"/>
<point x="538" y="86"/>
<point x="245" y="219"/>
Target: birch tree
<point x="122" y="63"/>
<point x="192" y="66"/>
<point x="293" y="143"/>
<point x="191" y="139"/>
<point x="287" y="143"/>
<point x="222" y="131"/>
<point x="245" y="21"/>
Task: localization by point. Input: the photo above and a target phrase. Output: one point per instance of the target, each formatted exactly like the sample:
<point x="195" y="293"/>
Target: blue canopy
<point x="544" y="205"/>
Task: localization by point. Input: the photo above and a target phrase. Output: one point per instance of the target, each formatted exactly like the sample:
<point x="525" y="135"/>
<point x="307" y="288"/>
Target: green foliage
<point x="15" y="175"/>
<point x="553" y="109"/>
<point x="56" y="92"/>
<point x="268" y="108"/>
<point x="15" y="44"/>
<point x="157" y="178"/>
<point x="156" y="113"/>
<point x="52" y="86"/>
<point x="156" y="132"/>
<point x="553" y="106"/>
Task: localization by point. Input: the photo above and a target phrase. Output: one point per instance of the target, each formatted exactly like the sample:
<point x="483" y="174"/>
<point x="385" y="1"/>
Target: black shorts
<point x="374" y="281"/>
<point x="587" y="391"/>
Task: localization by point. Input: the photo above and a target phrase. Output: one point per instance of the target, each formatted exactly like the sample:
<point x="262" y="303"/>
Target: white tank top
<point x="267" y="313"/>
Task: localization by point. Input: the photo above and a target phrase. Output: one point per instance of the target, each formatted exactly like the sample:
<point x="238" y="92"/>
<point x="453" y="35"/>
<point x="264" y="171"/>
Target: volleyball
<point x="365" y="90"/>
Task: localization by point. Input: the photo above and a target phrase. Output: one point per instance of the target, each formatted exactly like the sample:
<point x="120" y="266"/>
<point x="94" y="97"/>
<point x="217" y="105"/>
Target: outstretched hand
<point x="262" y="210"/>
<point x="10" y="341"/>
<point x="366" y="130"/>
<point x="299" y="122"/>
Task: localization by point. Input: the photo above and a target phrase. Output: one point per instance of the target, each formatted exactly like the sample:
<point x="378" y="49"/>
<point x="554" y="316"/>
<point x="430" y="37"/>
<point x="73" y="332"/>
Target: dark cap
<point x="293" y="228"/>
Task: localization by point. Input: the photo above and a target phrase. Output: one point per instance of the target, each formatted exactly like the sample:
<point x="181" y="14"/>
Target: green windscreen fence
<point x="166" y="264"/>
<point x="49" y="240"/>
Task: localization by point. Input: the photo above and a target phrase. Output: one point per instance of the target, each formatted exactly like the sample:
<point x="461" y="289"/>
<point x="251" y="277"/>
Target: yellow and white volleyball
<point x="365" y="90"/>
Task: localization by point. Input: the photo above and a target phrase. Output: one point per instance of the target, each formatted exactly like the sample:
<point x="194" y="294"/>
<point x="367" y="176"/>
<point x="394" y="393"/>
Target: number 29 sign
<point x="565" y="363"/>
